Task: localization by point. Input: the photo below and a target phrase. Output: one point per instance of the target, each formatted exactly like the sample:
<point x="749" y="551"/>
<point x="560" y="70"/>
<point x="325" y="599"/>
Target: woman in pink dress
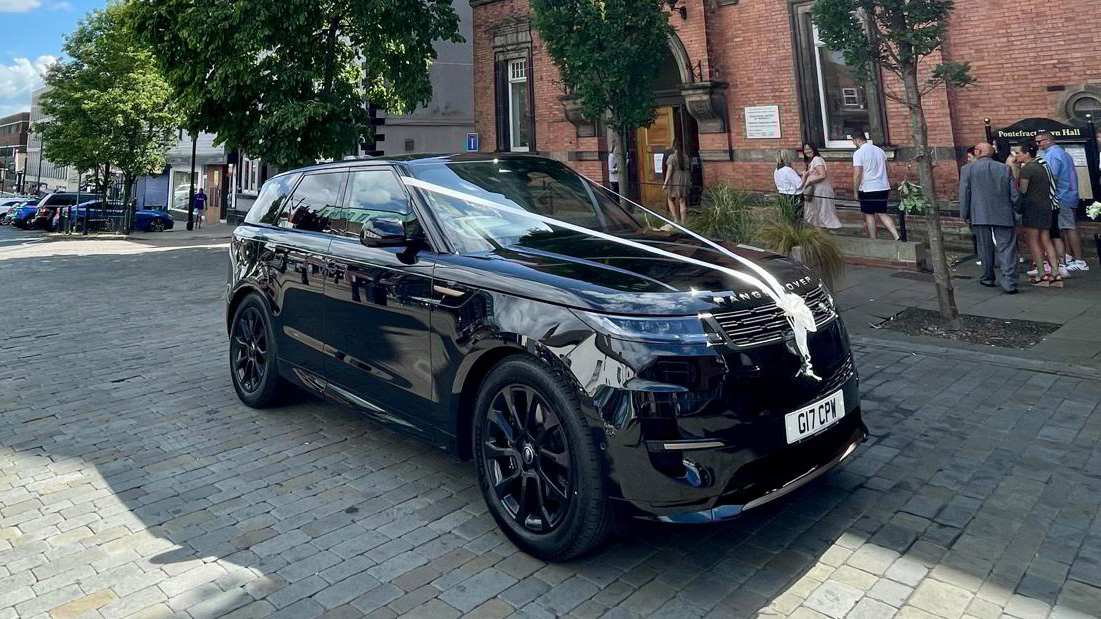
<point x="819" y="210"/>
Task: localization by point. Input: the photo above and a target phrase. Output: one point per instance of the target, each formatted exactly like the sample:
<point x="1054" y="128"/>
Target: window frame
<point x="810" y="89"/>
<point x="341" y="191"/>
<point x="346" y="199"/>
<point x="511" y="79"/>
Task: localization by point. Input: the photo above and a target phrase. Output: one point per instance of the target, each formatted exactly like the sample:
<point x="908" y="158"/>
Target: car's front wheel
<point x="538" y="466"/>
<point x="252" y="355"/>
<point x="156" y="225"/>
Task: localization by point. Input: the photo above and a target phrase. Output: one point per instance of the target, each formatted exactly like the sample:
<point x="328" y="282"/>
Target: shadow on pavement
<point x="128" y="465"/>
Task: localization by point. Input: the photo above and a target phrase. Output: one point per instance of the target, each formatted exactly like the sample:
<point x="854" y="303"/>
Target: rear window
<point x="270" y="201"/>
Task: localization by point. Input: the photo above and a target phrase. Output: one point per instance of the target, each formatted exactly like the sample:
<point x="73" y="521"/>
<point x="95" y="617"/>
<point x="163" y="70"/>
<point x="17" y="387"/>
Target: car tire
<point x="155" y="225"/>
<point x="253" y="356"/>
<point x="552" y="455"/>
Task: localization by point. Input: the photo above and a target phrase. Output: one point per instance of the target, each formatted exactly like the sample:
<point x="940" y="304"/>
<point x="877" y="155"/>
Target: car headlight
<point x="663" y="329"/>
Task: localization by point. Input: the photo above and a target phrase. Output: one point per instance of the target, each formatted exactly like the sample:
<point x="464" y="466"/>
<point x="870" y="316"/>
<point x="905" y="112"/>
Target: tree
<point x="896" y="36"/>
<point x="607" y="53"/>
<point x="108" y="105"/>
<point x="289" y="80"/>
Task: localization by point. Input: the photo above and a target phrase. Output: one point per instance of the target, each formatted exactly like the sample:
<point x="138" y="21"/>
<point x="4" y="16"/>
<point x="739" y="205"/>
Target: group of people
<point x="813" y="188"/>
<point x="1038" y="181"/>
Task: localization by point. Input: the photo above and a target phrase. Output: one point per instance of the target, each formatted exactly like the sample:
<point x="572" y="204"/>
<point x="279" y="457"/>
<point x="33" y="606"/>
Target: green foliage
<point x="606" y="53"/>
<point x="787" y="208"/>
<point x="726" y="214"/>
<point x="786" y="230"/>
<point x="108" y="104"/>
<point x="289" y="80"/>
<point x="903" y="32"/>
<point x="913" y="200"/>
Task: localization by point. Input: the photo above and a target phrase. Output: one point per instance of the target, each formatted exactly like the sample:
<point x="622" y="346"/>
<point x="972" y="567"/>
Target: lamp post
<point x="191" y="190"/>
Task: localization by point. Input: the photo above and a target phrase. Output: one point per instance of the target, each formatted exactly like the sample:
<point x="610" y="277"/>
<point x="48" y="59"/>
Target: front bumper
<point x="715" y="445"/>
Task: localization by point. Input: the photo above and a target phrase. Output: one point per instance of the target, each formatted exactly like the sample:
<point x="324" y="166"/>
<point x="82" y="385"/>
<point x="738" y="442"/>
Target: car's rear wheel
<point x="252" y="355"/>
<point x="538" y="465"/>
<point x="156" y="225"/>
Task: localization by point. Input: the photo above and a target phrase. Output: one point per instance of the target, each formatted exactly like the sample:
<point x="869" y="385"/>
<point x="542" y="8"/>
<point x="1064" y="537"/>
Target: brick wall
<point x="749" y="45"/>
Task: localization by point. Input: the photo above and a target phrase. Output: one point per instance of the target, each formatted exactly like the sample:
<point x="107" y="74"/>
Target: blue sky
<point x="30" y="39"/>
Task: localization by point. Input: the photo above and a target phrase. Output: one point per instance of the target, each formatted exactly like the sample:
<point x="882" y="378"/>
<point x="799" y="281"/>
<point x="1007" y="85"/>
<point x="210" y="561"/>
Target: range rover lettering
<point x="590" y="376"/>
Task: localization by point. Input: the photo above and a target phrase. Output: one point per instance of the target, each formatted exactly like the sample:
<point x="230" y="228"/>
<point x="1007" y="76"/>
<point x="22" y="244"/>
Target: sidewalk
<point x="869" y="295"/>
<point x="177" y="235"/>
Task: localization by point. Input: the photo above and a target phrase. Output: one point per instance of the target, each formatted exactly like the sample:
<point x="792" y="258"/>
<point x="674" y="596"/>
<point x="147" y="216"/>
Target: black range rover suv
<point x="588" y="380"/>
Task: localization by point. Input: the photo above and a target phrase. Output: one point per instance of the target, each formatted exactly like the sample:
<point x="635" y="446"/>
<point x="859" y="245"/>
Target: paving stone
<point x="472" y="592"/>
<point x="834" y="599"/>
<point x="346" y="590"/>
<point x="530" y="588"/>
<point x="890" y="592"/>
<point x="868" y="608"/>
<point x="377" y="598"/>
<point x="564" y="596"/>
<point x="941" y="599"/>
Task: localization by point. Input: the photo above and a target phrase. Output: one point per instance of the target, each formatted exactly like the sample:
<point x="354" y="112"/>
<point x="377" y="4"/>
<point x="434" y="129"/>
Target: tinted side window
<point x="271" y="199"/>
<point x="372" y="193"/>
<point x="315" y="203"/>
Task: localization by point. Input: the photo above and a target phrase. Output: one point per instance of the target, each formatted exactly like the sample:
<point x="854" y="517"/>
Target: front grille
<point x="766" y="324"/>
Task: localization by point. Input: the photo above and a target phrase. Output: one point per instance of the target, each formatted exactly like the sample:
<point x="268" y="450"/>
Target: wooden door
<point x="654" y="140"/>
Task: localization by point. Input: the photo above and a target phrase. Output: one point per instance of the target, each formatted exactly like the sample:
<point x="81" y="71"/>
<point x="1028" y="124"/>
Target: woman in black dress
<point x="1036" y="209"/>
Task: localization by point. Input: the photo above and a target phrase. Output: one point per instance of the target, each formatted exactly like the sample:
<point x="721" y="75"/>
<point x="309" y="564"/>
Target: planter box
<point x="907" y="254"/>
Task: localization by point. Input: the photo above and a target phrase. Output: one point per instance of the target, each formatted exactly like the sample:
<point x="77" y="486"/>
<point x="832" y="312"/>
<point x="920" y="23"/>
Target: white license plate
<point x="814" y="418"/>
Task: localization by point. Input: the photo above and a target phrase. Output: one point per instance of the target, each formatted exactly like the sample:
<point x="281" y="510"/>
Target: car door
<point x="379" y="307"/>
<point x="294" y="251"/>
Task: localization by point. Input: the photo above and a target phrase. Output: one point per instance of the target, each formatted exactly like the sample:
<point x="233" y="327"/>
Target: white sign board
<point x="657" y="163"/>
<point x="762" y="122"/>
<point x="1078" y="154"/>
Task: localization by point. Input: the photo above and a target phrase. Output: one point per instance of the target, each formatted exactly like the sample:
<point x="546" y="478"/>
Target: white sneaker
<point x="1071" y="265"/>
<point x="1063" y="272"/>
<point x="1080" y="265"/>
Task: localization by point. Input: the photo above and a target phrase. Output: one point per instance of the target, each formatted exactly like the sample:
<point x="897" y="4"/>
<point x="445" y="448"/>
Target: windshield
<point x="540" y="186"/>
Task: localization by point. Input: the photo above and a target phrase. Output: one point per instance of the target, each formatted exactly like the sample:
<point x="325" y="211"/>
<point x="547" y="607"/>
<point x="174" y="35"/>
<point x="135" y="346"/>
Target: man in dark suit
<point x="988" y="196"/>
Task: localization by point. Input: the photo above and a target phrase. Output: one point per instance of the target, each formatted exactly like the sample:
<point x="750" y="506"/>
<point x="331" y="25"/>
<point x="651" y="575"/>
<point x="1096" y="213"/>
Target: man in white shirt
<point x="871" y="184"/>
<point x="613" y="167"/>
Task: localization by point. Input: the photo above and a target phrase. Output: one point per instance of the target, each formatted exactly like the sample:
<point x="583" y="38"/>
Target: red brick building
<point x="744" y="78"/>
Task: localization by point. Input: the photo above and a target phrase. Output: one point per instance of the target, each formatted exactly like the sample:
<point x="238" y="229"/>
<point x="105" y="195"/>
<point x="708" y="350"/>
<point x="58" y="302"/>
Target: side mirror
<point x="383" y="231"/>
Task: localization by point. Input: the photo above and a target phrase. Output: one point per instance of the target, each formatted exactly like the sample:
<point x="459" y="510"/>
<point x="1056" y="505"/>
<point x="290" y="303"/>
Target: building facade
<point x="42" y="175"/>
<point x="14" y="132"/>
<point x="743" y="78"/>
<point x="442" y="125"/>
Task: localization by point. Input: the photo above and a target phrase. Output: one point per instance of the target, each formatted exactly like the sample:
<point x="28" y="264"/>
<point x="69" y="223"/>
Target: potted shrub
<point x="788" y="234"/>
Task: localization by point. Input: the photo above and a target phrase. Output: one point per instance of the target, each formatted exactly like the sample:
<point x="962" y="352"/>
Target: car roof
<point x="415" y="159"/>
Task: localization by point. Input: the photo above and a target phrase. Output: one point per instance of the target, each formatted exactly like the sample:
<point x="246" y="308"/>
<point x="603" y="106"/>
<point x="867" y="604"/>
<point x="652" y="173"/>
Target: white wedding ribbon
<point x="793" y="306"/>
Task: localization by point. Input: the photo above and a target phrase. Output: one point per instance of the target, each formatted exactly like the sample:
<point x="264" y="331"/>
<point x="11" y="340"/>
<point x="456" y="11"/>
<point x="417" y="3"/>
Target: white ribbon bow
<point x="794" y="307"/>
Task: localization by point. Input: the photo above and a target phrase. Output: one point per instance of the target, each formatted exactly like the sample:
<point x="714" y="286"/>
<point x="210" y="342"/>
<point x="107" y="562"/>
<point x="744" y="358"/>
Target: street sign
<point x="472" y="142"/>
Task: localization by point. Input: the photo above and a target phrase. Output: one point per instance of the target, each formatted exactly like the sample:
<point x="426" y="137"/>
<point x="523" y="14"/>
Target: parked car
<point x="23" y="216"/>
<point x="49" y="206"/>
<point x="150" y="220"/>
<point x="6" y="204"/>
<point x="145" y="220"/>
<point x="588" y="378"/>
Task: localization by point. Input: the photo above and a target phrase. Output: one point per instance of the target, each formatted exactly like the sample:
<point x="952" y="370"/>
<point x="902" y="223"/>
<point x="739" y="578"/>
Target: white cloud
<point x="59" y="6"/>
<point x="19" y="6"/>
<point x="18" y="79"/>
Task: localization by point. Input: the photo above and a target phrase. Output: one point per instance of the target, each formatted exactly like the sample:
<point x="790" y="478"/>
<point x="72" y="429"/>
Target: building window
<point x="836" y="105"/>
<point x="518" y="111"/>
<point x="1083" y="104"/>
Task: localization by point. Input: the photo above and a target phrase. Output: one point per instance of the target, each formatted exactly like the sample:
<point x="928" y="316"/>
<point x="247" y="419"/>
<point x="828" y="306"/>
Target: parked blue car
<point x="144" y="220"/>
<point x="23" y="217"/>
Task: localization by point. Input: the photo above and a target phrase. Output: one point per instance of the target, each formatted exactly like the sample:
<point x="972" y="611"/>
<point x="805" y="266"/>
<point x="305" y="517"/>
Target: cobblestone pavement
<point x="133" y="482"/>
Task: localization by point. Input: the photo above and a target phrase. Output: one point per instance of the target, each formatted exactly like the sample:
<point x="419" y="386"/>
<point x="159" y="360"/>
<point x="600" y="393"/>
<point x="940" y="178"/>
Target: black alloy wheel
<point x="250" y="350"/>
<point x="156" y="226"/>
<point x="252" y="355"/>
<point x="539" y="465"/>
<point x="528" y="458"/>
